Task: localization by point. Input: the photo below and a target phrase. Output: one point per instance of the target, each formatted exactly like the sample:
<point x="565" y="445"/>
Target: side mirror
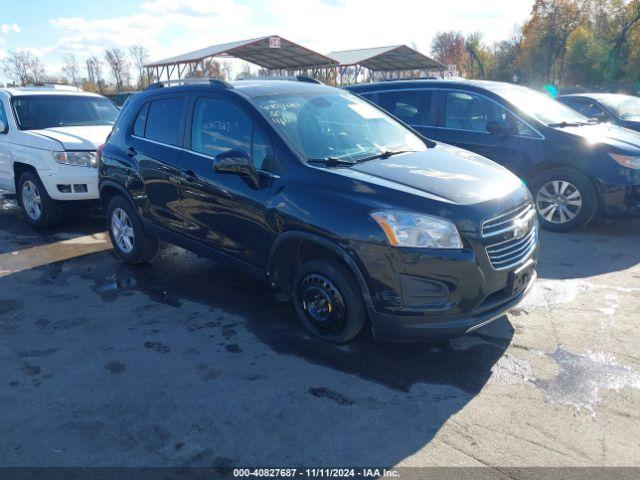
<point x="236" y="162"/>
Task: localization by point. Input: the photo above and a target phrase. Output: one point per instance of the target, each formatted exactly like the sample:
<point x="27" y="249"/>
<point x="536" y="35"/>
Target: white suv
<point x="48" y="141"/>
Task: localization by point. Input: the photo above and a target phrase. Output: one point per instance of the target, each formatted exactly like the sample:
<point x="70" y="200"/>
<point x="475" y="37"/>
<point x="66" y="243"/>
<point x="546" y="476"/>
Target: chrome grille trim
<point x="505" y="254"/>
<point x="508" y="219"/>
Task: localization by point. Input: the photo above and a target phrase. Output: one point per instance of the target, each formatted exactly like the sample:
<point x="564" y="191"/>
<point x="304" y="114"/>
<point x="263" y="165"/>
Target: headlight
<point x="81" y="159"/>
<point x="626" y="160"/>
<point x="415" y="230"/>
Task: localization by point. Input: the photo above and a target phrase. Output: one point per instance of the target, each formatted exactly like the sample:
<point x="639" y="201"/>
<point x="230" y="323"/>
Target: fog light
<point x="80" y="188"/>
<point x="64" y="188"/>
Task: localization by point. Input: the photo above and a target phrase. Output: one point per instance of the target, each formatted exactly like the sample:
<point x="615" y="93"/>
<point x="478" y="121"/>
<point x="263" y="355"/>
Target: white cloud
<point x="170" y="27"/>
<point x="9" y="28"/>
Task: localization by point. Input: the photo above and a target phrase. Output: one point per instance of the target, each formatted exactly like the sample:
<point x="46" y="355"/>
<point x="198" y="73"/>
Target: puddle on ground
<point x="581" y="378"/>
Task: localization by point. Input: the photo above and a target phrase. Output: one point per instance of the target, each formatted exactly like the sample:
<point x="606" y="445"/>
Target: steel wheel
<point x="559" y="201"/>
<point x="322" y="303"/>
<point x="31" y="201"/>
<point x="122" y="230"/>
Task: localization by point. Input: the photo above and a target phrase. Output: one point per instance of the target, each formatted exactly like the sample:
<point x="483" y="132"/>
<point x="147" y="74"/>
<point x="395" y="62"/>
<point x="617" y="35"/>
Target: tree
<point x="94" y="72"/>
<point x="449" y="49"/>
<point x="245" y="72"/>
<point x="587" y="58"/>
<point x="140" y="57"/>
<point x="546" y="33"/>
<point x="617" y="20"/>
<point x="477" y="57"/>
<point x="71" y="68"/>
<point x="504" y="58"/>
<point x="23" y="67"/>
<point x="225" y="71"/>
<point x="119" y="65"/>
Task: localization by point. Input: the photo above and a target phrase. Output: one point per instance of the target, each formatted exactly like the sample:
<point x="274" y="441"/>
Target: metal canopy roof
<point x="395" y="57"/>
<point x="257" y="51"/>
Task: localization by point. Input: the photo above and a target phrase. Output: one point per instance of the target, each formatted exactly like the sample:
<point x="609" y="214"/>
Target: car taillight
<point x="99" y="154"/>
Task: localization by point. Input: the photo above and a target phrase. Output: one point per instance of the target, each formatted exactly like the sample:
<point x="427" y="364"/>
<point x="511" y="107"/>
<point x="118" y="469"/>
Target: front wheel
<point x="328" y="300"/>
<point x="39" y="209"/>
<point x="565" y="199"/>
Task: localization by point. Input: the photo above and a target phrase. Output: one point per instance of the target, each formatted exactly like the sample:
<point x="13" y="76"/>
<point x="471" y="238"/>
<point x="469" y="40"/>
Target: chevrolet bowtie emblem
<point x="523" y="225"/>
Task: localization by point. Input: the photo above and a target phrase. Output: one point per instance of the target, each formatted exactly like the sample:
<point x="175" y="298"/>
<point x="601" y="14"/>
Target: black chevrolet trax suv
<point x="357" y="218"/>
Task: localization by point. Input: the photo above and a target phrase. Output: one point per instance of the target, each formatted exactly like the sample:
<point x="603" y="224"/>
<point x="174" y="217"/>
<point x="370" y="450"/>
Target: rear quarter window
<point x="164" y="120"/>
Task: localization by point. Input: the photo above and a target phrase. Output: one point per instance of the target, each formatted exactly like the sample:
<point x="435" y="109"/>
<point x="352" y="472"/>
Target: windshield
<point x="329" y="124"/>
<point x="35" y="112"/>
<point x="540" y="106"/>
<point x="625" y="106"/>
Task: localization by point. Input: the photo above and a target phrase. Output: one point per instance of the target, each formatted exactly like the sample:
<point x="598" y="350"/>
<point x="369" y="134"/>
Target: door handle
<point x="131" y="152"/>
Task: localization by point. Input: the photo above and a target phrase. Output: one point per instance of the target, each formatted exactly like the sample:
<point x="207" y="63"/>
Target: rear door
<point x="416" y="108"/>
<point x="155" y="143"/>
<point x="224" y="210"/>
<point x="463" y="119"/>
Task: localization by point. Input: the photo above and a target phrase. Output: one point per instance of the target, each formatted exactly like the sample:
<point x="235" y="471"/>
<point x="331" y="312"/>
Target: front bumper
<point x="419" y="295"/>
<point x="416" y="328"/>
<point x="72" y="178"/>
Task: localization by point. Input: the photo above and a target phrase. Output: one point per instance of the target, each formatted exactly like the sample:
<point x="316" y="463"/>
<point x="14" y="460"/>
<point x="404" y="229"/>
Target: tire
<point x="39" y="209"/>
<point x="337" y="312"/>
<point x="123" y="221"/>
<point x="565" y="199"/>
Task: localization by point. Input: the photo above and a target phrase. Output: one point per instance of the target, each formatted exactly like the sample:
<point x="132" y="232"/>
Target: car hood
<point x="607" y="134"/>
<point x="444" y="173"/>
<point x="87" y="137"/>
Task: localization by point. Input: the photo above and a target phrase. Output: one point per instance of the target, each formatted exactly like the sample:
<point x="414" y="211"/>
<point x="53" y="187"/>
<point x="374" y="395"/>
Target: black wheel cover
<point x="322" y="303"/>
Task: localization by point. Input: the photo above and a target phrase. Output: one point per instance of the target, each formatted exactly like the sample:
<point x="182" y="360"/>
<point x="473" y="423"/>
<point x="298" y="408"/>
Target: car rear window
<point x="164" y="120"/>
<point x="35" y="112"/>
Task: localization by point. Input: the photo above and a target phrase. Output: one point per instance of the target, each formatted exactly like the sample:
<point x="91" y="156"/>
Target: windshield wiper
<point x="568" y="124"/>
<point x="383" y="154"/>
<point x="331" y="161"/>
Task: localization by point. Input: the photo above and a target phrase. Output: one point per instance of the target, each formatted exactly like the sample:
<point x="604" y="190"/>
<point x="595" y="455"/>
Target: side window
<point x="164" y="120"/>
<point x="219" y="125"/>
<point x="141" y="121"/>
<point x="412" y="107"/>
<point x="467" y="111"/>
<point x="3" y="118"/>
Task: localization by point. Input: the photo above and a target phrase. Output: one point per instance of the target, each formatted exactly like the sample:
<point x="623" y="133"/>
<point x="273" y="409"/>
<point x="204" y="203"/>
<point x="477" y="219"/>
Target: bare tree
<point x="23" y="67"/>
<point x="225" y="70"/>
<point x="71" y="68"/>
<point x="140" y="56"/>
<point x="94" y="72"/>
<point x="119" y="65"/>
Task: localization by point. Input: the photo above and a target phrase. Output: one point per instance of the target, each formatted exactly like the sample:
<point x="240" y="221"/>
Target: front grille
<point x="516" y="236"/>
<point x="506" y="222"/>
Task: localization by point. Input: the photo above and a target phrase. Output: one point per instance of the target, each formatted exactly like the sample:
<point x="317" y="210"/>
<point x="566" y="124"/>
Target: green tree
<point x="587" y="58"/>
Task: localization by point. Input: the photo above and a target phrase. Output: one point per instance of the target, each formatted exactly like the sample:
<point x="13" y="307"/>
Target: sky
<point x="54" y="29"/>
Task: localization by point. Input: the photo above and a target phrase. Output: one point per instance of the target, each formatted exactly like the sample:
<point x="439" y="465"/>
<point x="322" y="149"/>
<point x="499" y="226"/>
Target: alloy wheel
<point x="558" y="201"/>
<point x="31" y="201"/>
<point x="122" y="230"/>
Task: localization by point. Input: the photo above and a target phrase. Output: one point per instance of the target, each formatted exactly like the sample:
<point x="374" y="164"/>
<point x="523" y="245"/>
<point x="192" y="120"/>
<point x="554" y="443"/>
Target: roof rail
<point x="303" y="78"/>
<point x="214" y="82"/>
<point x="291" y="78"/>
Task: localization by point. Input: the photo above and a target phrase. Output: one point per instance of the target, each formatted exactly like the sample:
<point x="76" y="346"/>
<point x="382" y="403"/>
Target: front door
<point x="465" y="122"/>
<point x="155" y="143"/>
<point x="225" y="210"/>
